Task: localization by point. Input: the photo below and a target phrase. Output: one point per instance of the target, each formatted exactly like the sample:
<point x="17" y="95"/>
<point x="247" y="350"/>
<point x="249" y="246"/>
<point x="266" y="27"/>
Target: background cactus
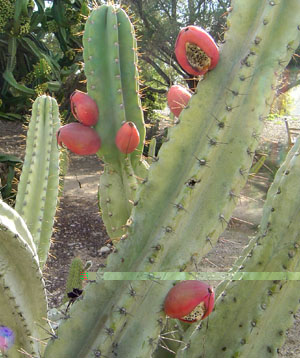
<point x="36" y="200"/>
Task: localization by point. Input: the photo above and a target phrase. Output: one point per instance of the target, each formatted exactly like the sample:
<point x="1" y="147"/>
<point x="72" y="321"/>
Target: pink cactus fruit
<point x="84" y="108"/>
<point x="178" y="98"/>
<point x="7" y="338"/>
<point x="189" y="301"/>
<point x="79" y="138"/>
<point x="127" y="138"/>
<point x="196" y="51"/>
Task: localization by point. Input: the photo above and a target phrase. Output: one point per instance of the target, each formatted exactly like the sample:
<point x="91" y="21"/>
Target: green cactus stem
<point x="261" y="309"/>
<point x="23" y="305"/>
<point x="74" y="280"/>
<point x="191" y="189"/>
<point x="36" y="200"/>
<point x="112" y="81"/>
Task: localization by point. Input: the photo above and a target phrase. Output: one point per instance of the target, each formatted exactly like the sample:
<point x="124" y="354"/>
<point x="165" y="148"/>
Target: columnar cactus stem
<point x="36" y="200"/>
<point x="249" y="307"/>
<point x="22" y="291"/>
<point x="111" y="70"/>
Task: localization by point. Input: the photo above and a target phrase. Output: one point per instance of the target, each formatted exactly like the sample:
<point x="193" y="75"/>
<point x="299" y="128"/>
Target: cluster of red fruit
<point x="197" y="53"/>
<point x="81" y="139"/>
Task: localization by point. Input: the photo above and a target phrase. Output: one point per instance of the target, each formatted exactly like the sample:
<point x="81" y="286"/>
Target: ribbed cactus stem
<point x="36" y="200"/>
<point x="261" y="308"/>
<point x="112" y="81"/>
<point x="22" y="291"/>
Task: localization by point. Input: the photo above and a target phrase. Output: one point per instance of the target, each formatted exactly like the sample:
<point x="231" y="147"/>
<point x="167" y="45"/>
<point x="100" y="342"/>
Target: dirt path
<point x="79" y="230"/>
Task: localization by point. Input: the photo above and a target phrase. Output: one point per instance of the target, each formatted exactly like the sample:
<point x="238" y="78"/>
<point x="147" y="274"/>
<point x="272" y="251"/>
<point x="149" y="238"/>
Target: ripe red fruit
<point x="196" y="51"/>
<point x="178" y="97"/>
<point x="79" y="139"/>
<point x="127" y="138"/>
<point x="84" y="108"/>
<point x="190" y="301"/>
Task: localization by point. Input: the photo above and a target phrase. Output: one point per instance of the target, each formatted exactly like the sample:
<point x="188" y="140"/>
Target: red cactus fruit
<point x="84" y="108"/>
<point x="196" y="51"/>
<point x="178" y="97"/>
<point x="127" y="138"/>
<point x="189" y="301"/>
<point x="78" y="138"/>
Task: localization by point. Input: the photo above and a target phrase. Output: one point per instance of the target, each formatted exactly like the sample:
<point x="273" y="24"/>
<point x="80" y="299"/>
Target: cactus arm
<point x="226" y="150"/>
<point x="22" y="299"/>
<point x="39" y="183"/>
<point x="275" y="249"/>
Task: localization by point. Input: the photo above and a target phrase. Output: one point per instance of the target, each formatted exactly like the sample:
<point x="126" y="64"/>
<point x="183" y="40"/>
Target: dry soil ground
<point x="79" y="230"/>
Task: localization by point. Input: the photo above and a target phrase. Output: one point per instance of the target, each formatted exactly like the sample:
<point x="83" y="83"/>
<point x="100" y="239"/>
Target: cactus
<point x="166" y="217"/>
<point x="249" y="307"/>
<point x="186" y="197"/>
<point x="23" y="305"/>
<point x="74" y="279"/>
<point x="36" y="199"/>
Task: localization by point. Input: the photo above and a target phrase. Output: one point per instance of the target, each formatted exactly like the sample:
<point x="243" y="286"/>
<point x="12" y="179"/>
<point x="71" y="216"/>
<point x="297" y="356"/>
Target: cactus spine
<point x="189" y="192"/>
<point x="36" y="200"/>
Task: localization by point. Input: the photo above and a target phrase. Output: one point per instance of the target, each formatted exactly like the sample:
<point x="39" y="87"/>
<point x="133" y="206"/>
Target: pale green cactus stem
<point x="112" y="81"/>
<point x="190" y="191"/>
<point x="193" y="188"/>
<point x="22" y="291"/>
<point x="74" y="278"/>
<point x="259" y="308"/>
<point x="36" y="199"/>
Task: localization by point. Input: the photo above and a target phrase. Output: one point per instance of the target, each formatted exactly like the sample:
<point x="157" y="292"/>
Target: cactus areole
<point x="178" y="98"/>
<point x="79" y="138"/>
<point x="84" y="108"/>
<point x="189" y="301"/>
<point x="127" y="138"/>
<point x="196" y="51"/>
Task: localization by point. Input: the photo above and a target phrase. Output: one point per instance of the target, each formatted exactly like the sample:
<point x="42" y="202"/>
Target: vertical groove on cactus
<point x="39" y="182"/>
<point x="249" y="307"/>
<point x="22" y="292"/>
